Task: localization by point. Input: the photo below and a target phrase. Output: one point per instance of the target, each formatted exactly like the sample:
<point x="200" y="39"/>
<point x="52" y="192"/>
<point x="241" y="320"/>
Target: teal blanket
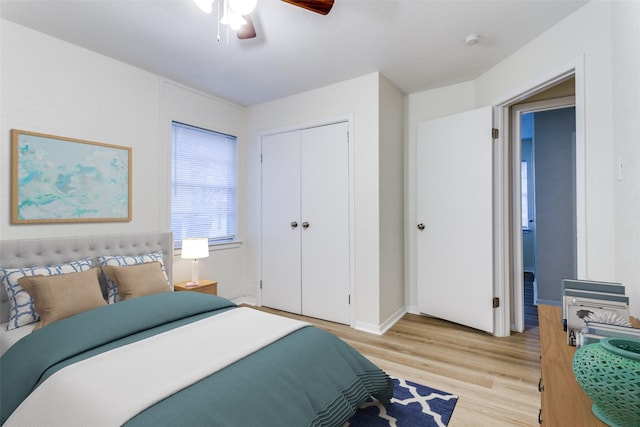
<point x="309" y="377"/>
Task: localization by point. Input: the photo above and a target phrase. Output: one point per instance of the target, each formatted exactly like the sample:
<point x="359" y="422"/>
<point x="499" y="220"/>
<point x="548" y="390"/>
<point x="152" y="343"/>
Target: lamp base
<point x="195" y="277"/>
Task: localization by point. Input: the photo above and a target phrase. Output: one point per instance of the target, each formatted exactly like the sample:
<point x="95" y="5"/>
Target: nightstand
<point x="205" y="286"/>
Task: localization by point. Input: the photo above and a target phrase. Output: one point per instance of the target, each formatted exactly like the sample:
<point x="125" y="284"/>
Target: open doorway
<point x="547" y="179"/>
<point x="544" y="166"/>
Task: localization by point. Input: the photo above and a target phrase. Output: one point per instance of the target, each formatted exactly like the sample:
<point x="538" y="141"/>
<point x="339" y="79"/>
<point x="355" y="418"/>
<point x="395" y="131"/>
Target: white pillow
<point x="125" y="260"/>
<point x="21" y="308"/>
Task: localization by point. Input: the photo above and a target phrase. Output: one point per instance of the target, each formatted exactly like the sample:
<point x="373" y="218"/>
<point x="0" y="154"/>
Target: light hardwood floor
<point x="495" y="379"/>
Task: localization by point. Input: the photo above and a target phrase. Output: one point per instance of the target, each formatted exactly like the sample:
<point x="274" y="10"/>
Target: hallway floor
<point x="530" y="310"/>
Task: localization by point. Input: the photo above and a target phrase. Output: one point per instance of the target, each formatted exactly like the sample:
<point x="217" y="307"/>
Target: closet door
<point x="281" y="225"/>
<point x="324" y="175"/>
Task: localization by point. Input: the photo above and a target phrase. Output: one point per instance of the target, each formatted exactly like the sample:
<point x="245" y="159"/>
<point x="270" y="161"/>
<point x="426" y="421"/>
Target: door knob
<point x="305" y="225"/>
<point x="421" y="226"/>
<point x="294" y="224"/>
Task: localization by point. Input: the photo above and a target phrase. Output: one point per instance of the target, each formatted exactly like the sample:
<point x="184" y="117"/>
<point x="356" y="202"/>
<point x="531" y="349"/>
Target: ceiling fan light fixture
<point x="233" y="20"/>
<point x="205" y="5"/>
<point x="242" y="7"/>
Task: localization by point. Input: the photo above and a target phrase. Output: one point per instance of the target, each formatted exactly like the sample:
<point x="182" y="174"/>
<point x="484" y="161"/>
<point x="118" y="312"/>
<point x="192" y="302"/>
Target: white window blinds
<point x="203" y="184"/>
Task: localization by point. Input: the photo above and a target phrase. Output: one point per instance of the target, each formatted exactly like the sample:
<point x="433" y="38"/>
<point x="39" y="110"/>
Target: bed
<point x="159" y="357"/>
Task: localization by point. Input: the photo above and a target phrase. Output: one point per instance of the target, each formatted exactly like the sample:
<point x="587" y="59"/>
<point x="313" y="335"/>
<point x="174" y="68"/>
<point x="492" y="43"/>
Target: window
<point x="203" y="184"/>
<point x="524" y="181"/>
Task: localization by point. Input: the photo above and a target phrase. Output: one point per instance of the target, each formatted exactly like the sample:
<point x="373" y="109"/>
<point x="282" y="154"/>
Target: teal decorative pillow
<point x="21" y="308"/>
<point x="123" y="261"/>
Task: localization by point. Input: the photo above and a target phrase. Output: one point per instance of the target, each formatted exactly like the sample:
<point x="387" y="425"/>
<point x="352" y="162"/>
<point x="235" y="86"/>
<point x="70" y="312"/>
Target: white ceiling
<point x="417" y="44"/>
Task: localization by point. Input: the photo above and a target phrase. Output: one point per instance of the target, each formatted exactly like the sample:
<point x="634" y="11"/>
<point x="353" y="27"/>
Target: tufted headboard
<point x="58" y="250"/>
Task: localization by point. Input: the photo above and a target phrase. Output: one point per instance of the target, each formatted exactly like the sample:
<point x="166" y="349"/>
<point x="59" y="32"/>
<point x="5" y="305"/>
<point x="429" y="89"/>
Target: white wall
<point x="626" y="138"/>
<point x="359" y="99"/>
<point x="57" y="88"/>
<point x="600" y="32"/>
<point x="182" y="104"/>
<point x="53" y="87"/>
<point x="391" y="164"/>
<point x="586" y="32"/>
<point x="421" y="107"/>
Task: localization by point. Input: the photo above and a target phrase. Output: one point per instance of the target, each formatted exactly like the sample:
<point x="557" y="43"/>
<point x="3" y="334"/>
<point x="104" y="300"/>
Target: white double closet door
<point x="305" y="222"/>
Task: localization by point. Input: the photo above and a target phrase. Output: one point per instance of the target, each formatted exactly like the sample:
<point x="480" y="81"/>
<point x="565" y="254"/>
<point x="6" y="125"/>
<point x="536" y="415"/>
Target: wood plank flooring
<point x="496" y="379"/>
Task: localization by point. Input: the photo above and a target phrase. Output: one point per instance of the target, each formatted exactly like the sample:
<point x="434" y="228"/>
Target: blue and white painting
<point x="68" y="180"/>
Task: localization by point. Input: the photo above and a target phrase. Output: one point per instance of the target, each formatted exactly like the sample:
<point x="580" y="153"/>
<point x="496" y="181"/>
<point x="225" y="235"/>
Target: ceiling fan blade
<point x="247" y="31"/>
<point x="318" y="6"/>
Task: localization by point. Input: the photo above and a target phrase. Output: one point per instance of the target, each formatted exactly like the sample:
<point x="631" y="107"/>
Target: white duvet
<point x="111" y="388"/>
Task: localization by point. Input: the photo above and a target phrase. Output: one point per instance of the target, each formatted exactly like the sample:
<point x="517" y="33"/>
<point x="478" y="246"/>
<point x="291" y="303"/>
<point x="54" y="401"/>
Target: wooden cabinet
<point x="205" y="286"/>
<point x="563" y="401"/>
<point x="305" y="222"/>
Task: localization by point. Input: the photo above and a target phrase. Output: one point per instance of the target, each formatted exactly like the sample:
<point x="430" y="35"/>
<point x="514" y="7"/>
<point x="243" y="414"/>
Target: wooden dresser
<point x="563" y="401"/>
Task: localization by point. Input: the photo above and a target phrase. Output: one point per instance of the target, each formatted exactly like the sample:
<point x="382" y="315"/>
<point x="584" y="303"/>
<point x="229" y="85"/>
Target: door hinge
<point x="349" y="299"/>
<point x="260" y="157"/>
<point x="260" y="284"/>
<point x="495" y="134"/>
<point x="496" y="302"/>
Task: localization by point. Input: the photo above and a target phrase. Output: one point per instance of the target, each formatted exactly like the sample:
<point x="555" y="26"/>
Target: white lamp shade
<point x="195" y="248"/>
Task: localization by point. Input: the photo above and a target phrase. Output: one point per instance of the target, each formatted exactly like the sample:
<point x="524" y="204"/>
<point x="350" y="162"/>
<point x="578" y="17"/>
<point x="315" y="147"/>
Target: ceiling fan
<point x="236" y="12"/>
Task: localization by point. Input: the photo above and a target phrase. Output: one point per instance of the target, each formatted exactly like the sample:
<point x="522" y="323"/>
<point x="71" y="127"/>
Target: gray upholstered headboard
<point x="58" y="250"/>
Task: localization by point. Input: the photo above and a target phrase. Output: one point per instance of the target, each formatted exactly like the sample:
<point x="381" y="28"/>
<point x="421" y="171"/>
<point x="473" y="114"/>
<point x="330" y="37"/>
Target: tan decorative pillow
<point x="137" y="280"/>
<point x="63" y="295"/>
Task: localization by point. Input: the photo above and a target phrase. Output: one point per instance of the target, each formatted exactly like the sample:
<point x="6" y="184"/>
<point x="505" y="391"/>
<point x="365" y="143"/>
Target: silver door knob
<point x="294" y="224"/>
<point x="305" y="225"/>
<point x="421" y="226"/>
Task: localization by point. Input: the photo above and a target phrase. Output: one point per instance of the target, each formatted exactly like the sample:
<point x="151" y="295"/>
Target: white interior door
<point x="325" y="222"/>
<point x="281" y="262"/>
<point x="455" y="222"/>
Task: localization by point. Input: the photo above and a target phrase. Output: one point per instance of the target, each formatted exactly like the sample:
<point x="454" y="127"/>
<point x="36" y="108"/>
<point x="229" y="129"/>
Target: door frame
<point x="517" y="286"/>
<point x="505" y="238"/>
<point x="348" y="118"/>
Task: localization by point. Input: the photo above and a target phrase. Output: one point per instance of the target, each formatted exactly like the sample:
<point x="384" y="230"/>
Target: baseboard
<point x="548" y="302"/>
<point x="360" y="326"/>
<point x="384" y="327"/>
<point x="413" y="309"/>
<point x="368" y="328"/>
<point x="393" y="319"/>
<point x="245" y="300"/>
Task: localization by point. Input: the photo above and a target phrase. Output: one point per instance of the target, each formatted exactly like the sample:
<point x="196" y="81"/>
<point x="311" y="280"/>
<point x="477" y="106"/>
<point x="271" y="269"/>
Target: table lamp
<point x="195" y="248"/>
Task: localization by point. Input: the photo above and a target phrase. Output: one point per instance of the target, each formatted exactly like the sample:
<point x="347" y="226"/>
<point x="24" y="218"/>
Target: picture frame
<point x="58" y="179"/>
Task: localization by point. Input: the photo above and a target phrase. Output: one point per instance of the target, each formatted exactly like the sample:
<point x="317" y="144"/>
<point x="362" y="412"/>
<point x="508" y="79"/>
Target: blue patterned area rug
<point x="412" y="405"/>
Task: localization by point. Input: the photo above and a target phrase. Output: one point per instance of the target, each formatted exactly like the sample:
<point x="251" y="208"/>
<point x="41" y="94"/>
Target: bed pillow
<point x="137" y="280"/>
<point x="64" y="295"/>
<point x="125" y="260"/>
<point x="21" y="309"/>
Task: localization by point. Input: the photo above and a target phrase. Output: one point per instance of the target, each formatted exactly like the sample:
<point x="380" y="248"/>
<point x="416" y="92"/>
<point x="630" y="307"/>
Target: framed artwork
<point x="58" y="179"/>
